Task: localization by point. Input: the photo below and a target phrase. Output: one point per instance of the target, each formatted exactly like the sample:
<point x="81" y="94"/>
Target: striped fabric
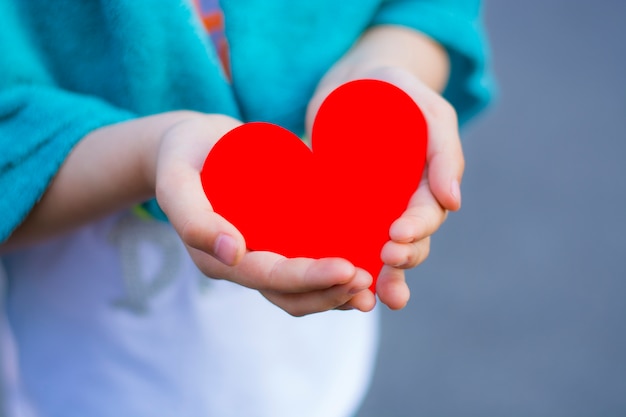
<point x="212" y="18"/>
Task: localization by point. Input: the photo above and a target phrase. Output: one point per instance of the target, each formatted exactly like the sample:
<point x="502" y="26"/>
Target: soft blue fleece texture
<point x="68" y="67"/>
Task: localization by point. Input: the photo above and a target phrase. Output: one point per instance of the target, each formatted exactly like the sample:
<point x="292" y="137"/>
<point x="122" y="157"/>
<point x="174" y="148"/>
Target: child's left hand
<point x="438" y="192"/>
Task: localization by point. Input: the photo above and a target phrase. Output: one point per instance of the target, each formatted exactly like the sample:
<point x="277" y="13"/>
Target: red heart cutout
<point x="337" y="200"/>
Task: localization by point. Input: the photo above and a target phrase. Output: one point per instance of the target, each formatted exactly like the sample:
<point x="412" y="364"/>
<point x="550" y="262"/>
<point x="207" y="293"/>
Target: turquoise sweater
<point x="68" y="67"/>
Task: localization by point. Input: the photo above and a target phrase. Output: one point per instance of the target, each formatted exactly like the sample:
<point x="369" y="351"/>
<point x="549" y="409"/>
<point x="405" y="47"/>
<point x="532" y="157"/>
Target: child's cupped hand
<point x="439" y="191"/>
<point x="304" y="286"/>
<point x="300" y="286"/>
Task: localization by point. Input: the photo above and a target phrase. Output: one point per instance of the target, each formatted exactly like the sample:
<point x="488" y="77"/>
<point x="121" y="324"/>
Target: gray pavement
<point x="521" y="308"/>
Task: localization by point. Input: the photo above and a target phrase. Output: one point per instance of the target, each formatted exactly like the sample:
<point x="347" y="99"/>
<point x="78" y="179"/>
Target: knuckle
<point x="426" y="219"/>
<point x="191" y="233"/>
<point x="418" y="253"/>
<point x="273" y="278"/>
<point x="412" y="259"/>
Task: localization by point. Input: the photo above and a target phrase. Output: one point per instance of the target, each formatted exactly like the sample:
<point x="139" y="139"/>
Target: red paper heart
<point x="338" y="200"/>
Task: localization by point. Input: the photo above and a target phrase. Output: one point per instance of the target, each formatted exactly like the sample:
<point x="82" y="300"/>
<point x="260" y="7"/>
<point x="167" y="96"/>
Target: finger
<point x="267" y="271"/>
<point x="363" y="301"/>
<point x="302" y="304"/>
<point x="405" y="255"/>
<point x="300" y="275"/>
<point x="392" y="289"/>
<point x="445" y="159"/>
<point x="421" y="219"/>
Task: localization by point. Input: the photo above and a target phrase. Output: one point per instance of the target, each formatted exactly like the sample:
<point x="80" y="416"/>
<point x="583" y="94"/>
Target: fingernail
<point x="455" y="190"/>
<point x="225" y="249"/>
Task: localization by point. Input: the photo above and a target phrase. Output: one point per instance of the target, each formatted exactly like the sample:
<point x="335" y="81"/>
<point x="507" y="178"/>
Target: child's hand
<point x="121" y="165"/>
<point x="299" y="286"/>
<point x="438" y="192"/>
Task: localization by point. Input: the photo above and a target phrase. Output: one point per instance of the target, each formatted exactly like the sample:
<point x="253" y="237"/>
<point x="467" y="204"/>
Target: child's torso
<point x="115" y="319"/>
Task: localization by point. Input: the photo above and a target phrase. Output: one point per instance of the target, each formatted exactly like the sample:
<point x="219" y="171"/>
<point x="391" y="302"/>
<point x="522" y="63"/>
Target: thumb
<point x="193" y="218"/>
<point x="180" y="194"/>
<point x="445" y="160"/>
<point x="314" y="105"/>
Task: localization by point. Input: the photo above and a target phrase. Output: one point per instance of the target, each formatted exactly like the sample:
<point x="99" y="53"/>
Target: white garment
<point x="115" y="320"/>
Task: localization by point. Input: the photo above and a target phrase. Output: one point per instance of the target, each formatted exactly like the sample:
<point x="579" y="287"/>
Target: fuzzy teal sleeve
<point x="68" y="67"/>
<point x="38" y="128"/>
<point x="457" y="25"/>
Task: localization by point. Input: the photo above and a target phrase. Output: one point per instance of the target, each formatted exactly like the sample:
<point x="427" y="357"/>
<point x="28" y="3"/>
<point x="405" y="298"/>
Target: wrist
<point x="393" y="47"/>
<point x="111" y="168"/>
<point x="152" y="131"/>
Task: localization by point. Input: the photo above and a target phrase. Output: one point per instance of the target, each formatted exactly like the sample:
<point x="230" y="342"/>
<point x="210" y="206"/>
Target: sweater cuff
<point x="460" y="31"/>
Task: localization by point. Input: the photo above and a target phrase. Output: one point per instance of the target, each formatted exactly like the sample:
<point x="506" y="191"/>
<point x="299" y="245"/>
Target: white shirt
<point x="115" y="320"/>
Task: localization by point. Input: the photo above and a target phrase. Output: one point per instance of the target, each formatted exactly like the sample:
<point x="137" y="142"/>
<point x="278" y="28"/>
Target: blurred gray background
<point x="521" y="308"/>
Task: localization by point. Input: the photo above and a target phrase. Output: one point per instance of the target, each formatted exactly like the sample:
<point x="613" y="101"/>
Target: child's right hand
<point x="118" y="166"/>
<point x="299" y="286"/>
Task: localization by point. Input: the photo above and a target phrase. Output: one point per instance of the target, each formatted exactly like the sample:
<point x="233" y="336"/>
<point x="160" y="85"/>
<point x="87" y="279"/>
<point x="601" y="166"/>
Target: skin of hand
<point x="121" y="165"/>
<point x="118" y="166"/>
<point x="300" y="286"/>
<point x="418" y="66"/>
